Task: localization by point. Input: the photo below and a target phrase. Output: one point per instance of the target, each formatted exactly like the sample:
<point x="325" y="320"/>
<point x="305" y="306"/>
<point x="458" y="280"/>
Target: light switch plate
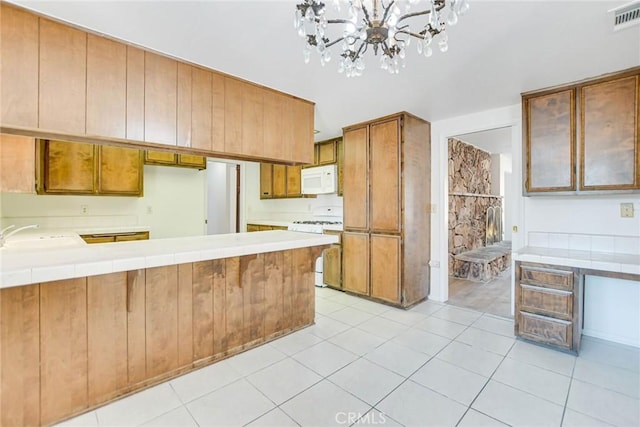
<point x="626" y="210"/>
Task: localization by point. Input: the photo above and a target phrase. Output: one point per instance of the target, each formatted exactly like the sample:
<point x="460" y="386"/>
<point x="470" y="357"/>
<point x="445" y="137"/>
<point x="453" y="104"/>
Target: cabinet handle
<point x="132" y="278"/>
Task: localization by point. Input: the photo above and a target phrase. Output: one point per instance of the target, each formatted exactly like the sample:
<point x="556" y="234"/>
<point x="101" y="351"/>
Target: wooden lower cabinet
<point x="20" y="356"/>
<point x="115" y="237"/>
<point x="70" y="345"/>
<point x="385" y="268"/>
<point x="355" y="262"/>
<point x="548" y="305"/>
<point x="332" y="262"/>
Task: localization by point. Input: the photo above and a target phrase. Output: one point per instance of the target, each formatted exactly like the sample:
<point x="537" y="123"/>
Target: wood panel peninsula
<point x="84" y="325"/>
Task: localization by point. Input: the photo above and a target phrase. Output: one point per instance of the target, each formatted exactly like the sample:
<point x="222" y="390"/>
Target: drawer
<point x="552" y="302"/>
<point x="545" y="330"/>
<point x="546" y="277"/>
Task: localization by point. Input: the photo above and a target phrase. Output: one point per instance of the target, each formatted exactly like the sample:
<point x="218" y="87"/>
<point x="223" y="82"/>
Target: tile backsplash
<point x="585" y="242"/>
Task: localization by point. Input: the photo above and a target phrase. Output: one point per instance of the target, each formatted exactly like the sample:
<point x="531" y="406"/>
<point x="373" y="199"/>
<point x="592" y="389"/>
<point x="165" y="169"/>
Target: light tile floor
<point x="364" y="363"/>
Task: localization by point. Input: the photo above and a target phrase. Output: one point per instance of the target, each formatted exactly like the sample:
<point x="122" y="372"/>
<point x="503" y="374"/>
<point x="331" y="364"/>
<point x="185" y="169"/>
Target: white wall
<point x="280" y="209"/>
<point x="173" y="205"/>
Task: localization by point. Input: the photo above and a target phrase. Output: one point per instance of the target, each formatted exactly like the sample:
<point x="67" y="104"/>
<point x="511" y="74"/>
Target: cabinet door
<point x="332" y="269"/>
<point x="184" y="130"/>
<point x="19" y="77"/>
<point x="67" y="167"/>
<point x="160" y="158"/>
<point x="17" y="164"/>
<point x="302" y="123"/>
<point x="143" y="235"/>
<point x="233" y="115"/>
<point x="63" y="349"/>
<point x="119" y="171"/>
<point x="63" y="78"/>
<point x="266" y="180"/>
<point x="161" y="325"/>
<point x="279" y="181"/>
<point x="384" y="177"/>
<point x="106" y="87"/>
<point x="90" y="239"/>
<point x="385" y="267"/>
<point x="326" y="153"/>
<point x="252" y="227"/>
<point x="20" y="355"/>
<point x="550" y="142"/>
<point x="356" y="183"/>
<point x="160" y="99"/>
<point x="201" y="106"/>
<point x="252" y="120"/>
<point x="218" y="112"/>
<point x="609" y="135"/>
<point x="135" y="94"/>
<point x="203" y="276"/>
<point x="294" y="181"/>
<point x="192" y="161"/>
<point x="107" y="336"/>
<point x="340" y="160"/>
<point x="274" y="129"/>
<point x="355" y="262"/>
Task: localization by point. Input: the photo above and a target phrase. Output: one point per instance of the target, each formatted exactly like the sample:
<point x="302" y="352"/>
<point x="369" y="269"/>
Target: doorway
<point x="223" y="197"/>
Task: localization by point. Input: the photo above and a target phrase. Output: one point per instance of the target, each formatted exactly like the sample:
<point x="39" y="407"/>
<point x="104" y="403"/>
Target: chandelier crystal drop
<point x="375" y="25"/>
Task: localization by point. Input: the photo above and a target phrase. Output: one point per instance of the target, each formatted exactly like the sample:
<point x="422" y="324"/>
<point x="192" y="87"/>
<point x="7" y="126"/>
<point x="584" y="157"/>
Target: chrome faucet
<point x="4" y="237"/>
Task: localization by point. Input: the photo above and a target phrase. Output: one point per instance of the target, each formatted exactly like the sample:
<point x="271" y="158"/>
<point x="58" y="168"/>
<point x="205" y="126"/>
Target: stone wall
<point x="469" y="197"/>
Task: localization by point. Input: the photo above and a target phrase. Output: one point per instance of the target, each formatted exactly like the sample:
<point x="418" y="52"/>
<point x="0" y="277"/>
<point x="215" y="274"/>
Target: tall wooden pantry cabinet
<point x="387" y="180"/>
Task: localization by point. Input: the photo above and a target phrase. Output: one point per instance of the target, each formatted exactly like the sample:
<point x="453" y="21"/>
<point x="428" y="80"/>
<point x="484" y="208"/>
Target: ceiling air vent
<point x="626" y="16"/>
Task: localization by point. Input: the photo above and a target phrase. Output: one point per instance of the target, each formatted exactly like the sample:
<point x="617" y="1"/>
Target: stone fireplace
<point x="475" y="215"/>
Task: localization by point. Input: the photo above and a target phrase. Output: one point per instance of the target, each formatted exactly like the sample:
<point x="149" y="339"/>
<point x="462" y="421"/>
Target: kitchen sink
<point x="43" y="241"/>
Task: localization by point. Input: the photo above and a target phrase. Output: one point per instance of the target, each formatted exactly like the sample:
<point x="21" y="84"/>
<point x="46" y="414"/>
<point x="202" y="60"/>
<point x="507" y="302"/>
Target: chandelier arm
<point x="327" y="45"/>
<point x="411" y="15"/>
<point x="367" y="19"/>
<point x="386" y="11"/>
<point x="339" y="21"/>
<point x="410" y="33"/>
<point x="362" y="49"/>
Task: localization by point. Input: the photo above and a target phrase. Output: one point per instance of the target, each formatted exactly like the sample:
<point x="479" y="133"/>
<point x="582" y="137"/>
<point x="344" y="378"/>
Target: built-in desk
<point x="549" y="284"/>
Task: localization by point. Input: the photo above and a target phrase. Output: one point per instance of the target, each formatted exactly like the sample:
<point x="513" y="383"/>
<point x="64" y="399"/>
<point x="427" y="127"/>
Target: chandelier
<point x="375" y="25"/>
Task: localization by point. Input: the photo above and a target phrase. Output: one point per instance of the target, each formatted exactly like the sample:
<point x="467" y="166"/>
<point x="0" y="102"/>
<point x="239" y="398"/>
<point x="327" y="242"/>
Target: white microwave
<point x="320" y="180"/>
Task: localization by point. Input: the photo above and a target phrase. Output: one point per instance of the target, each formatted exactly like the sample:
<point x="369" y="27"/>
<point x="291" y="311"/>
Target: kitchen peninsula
<point x="102" y="321"/>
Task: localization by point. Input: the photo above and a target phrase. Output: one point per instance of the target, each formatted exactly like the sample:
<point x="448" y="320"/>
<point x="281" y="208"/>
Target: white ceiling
<point x="498" y="50"/>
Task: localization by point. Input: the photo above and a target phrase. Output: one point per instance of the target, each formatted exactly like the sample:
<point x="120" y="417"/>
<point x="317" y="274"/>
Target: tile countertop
<point x="604" y="261"/>
<point x="26" y="266"/>
<point x="269" y="222"/>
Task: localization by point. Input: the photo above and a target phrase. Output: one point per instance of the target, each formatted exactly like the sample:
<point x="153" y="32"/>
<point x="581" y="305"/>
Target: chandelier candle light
<point x="378" y="24"/>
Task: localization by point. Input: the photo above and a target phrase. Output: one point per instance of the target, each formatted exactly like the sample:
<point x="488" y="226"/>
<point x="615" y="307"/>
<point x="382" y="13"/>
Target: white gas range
<point x="323" y="219"/>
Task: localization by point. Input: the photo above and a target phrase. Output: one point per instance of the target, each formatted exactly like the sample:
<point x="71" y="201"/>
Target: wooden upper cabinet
<point x="160" y="99"/>
<point x="356" y="188"/>
<point x="201" y="109"/>
<point x="184" y="130"/>
<point x="66" y="168"/>
<point x="233" y="115"/>
<point x="106" y="87"/>
<point x="609" y="135"/>
<point x="302" y="123"/>
<point x="19" y="64"/>
<point x="160" y="157"/>
<point x="275" y="133"/>
<point x="17" y="164"/>
<point x="252" y="120"/>
<point x="119" y="171"/>
<point x="294" y="181"/>
<point x="218" y="111"/>
<point x="279" y="180"/>
<point x="63" y="78"/>
<point x="266" y="180"/>
<point x="384" y="176"/>
<point x="550" y="142"/>
<point x="135" y="94"/>
<point x="326" y="153"/>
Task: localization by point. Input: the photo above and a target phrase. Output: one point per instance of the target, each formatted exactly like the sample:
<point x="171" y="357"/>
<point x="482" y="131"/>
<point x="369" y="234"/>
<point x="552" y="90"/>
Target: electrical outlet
<point x="514" y="228"/>
<point x="434" y="263"/>
<point x="84" y="209"/>
<point x="149" y="210"/>
<point x="626" y="210"/>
